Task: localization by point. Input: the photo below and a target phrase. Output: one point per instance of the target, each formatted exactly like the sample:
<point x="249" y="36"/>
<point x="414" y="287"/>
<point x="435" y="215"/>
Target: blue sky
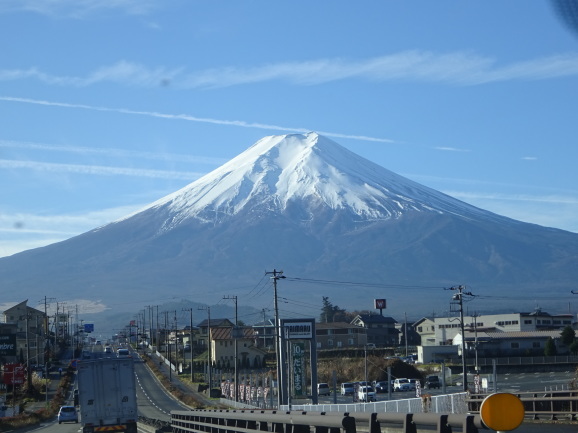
<point x="107" y="106"/>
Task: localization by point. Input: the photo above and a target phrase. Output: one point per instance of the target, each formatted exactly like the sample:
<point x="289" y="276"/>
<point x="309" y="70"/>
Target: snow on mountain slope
<point x="278" y="170"/>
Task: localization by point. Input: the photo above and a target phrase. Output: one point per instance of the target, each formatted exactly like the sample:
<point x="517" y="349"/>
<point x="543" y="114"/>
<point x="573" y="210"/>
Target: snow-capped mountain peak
<point x="278" y="170"/>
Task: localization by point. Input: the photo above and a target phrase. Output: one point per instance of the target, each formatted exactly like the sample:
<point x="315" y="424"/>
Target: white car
<point x="403" y="384"/>
<point x="366" y="393"/>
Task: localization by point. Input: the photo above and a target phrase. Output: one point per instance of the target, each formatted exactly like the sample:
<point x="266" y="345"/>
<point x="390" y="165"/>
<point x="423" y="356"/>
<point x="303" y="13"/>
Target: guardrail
<point x="552" y="404"/>
<point x="446" y="403"/>
<point x="250" y="421"/>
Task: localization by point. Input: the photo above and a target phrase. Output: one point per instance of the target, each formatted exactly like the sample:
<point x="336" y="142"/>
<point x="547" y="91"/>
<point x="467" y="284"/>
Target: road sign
<point x="502" y="412"/>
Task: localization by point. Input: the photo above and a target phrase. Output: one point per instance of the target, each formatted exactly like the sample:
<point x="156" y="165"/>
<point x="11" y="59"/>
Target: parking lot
<point x="513" y="382"/>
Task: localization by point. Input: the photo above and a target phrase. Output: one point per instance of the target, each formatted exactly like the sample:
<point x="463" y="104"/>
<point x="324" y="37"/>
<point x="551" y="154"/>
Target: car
<point x="415" y="383"/>
<point x="402" y="384"/>
<point x="323" y="389"/>
<point x="347" y="388"/>
<point x="432" y="381"/>
<point x="67" y="413"/>
<point x="108" y="350"/>
<point x="366" y="393"/>
<point x="123" y="353"/>
<point x="381" y="386"/>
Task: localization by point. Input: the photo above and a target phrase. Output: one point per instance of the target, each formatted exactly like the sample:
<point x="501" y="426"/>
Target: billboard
<point x="302" y="330"/>
<point x="379" y="304"/>
<point x="89" y="327"/>
<point x="8" y="345"/>
<point x="13" y="374"/>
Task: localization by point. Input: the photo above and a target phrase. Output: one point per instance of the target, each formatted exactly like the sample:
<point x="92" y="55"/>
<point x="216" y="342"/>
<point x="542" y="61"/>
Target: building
<point x="223" y="348"/>
<point x="28" y="326"/>
<point x="339" y="335"/>
<point x="265" y="332"/>
<point x="442" y="330"/>
<point x="508" y="344"/>
<point x="203" y="339"/>
<point x="381" y="330"/>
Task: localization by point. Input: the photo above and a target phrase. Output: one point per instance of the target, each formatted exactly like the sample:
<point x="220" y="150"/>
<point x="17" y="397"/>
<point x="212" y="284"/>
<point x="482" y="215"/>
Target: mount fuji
<point x="323" y="214"/>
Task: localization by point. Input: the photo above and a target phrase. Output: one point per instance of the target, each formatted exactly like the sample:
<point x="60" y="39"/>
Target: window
<point x="330" y="343"/>
<point x="351" y="342"/>
<point x="339" y="344"/>
<point x="514" y="345"/>
<point x="419" y="329"/>
<point x="527" y="322"/>
<point x="536" y="344"/>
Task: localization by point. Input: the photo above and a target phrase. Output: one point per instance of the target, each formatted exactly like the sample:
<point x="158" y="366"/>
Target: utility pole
<point x="209" y="358"/>
<point x="278" y="337"/>
<point x="459" y="298"/>
<point x="235" y="336"/>
<point x="190" y="310"/>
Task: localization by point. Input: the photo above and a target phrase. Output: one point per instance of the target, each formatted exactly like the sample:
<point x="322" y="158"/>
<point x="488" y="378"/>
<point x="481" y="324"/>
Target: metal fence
<point x="550" y="405"/>
<point x="448" y="403"/>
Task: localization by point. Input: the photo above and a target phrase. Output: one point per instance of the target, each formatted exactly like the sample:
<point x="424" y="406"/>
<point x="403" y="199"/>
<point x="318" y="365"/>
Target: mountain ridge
<point x="298" y="202"/>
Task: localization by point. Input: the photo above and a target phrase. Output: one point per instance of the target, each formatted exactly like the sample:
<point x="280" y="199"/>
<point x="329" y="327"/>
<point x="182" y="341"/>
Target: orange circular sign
<point x="502" y="411"/>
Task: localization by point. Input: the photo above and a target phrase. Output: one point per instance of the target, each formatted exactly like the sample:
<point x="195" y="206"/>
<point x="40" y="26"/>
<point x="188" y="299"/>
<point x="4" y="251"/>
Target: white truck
<point x="107" y="395"/>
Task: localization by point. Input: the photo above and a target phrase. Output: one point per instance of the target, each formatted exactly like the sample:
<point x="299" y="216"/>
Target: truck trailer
<point x="107" y="395"/>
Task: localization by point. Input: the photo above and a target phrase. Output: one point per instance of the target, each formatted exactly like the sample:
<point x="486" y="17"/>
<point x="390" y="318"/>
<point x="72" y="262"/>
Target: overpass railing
<point x="251" y="421"/>
<point x="550" y="405"/>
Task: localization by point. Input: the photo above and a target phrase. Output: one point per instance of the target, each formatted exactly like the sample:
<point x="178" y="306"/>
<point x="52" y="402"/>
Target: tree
<point x="330" y="312"/>
<point x="568" y="336"/>
<point x="550" y="347"/>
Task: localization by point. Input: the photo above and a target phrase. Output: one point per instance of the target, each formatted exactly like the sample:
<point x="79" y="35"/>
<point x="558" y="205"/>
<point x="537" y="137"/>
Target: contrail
<point x="190" y="118"/>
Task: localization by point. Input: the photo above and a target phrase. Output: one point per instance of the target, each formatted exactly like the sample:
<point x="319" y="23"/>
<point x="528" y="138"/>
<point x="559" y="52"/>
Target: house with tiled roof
<point x="337" y="335"/>
<point x="249" y="355"/>
<point x="381" y="330"/>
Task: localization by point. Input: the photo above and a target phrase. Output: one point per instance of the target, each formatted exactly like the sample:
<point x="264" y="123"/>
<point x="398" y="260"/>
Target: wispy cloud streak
<point x="75" y="8"/>
<point x="113" y="152"/>
<point x="187" y="117"/>
<point x="98" y="170"/>
<point x="459" y="68"/>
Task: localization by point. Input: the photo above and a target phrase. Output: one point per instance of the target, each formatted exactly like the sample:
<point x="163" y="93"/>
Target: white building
<point x="439" y="331"/>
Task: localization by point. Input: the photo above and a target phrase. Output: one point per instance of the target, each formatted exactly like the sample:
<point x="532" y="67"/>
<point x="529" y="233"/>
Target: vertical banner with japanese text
<point x="298" y="367"/>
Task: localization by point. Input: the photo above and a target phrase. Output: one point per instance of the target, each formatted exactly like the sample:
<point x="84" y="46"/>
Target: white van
<point x="123" y="353"/>
<point x="347" y="388"/>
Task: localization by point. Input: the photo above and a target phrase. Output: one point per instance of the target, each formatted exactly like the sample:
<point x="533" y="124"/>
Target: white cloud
<point x="113" y="152"/>
<point x="550" y="210"/>
<point x="98" y="170"/>
<point x="450" y="149"/>
<point x="239" y="123"/>
<point x="22" y="231"/>
<point x="76" y="8"/>
<point x="454" y="68"/>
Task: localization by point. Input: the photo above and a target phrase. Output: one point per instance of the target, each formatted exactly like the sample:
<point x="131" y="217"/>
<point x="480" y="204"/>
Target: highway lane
<point x="153" y="400"/>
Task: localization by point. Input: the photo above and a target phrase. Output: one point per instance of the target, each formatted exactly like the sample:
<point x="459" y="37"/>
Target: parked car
<point x="67" y="413"/>
<point x="347" y="388"/>
<point x="402" y="384"/>
<point x="381" y="386"/>
<point x="415" y="383"/>
<point x="366" y="393"/>
<point x="432" y="381"/>
<point x="108" y="350"/>
<point x="323" y="389"/>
